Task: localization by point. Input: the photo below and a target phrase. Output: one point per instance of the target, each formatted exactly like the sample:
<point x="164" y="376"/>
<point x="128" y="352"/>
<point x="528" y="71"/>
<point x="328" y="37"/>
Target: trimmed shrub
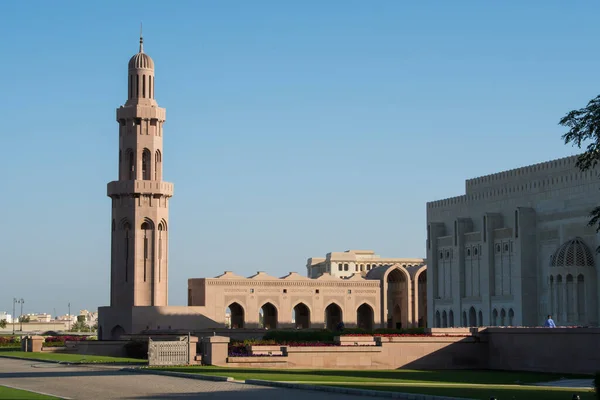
<point x="597" y="384"/>
<point x="137" y="349"/>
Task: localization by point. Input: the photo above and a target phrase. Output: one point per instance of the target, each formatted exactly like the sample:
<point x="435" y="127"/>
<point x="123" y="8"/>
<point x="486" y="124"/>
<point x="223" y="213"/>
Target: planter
<point x="265" y="350"/>
<point x="355" y="340"/>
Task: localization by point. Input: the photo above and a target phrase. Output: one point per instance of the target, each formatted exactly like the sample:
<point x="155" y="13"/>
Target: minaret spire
<point x="141" y="40"/>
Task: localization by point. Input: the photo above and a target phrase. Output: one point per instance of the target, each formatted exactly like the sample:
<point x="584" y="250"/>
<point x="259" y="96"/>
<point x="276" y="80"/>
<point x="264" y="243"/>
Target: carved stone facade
<point x="515" y="248"/>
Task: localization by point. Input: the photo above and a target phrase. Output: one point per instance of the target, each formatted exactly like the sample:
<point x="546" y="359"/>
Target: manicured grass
<point x="16" y="394"/>
<point x="469" y="384"/>
<point x="71" y="358"/>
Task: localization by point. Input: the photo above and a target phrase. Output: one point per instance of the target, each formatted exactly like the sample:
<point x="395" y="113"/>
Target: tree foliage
<point x="584" y="131"/>
<point x="3" y="323"/>
<point x="24" y="318"/>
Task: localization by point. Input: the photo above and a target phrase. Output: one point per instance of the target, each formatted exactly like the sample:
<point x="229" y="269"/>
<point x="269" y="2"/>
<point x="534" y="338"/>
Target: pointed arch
<point x="157" y="165"/>
<point x="365" y="317"/>
<point x="444" y="319"/>
<point x="480" y="320"/>
<point x="438" y="322"/>
<point x="130" y="157"/>
<point x="511" y="317"/>
<point x="495" y="317"/>
<point x="116" y="332"/>
<point x="502" y="317"/>
<point x="302" y="315"/>
<point x="451" y="319"/>
<point x="146" y="165"/>
<point x="397" y="292"/>
<point x="472" y="317"/>
<point x="147" y="238"/>
<point x="236" y="315"/>
<point x="334" y="316"/>
<point x="269" y="315"/>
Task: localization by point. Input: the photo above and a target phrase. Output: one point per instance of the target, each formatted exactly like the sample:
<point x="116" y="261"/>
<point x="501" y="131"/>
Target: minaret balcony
<point x="117" y="188"/>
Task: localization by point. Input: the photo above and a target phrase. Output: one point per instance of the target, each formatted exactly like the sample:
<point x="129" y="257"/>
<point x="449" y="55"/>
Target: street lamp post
<point x="21" y="317"/>
<point x="69" y="317"/>
<point x="13" y="316"/>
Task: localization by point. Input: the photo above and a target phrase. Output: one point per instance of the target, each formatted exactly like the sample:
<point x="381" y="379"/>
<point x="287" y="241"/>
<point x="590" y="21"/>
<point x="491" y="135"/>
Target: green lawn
<point x="469" y="384"/>
<point x="71" y="358"/>
<point x="9" y="393"/>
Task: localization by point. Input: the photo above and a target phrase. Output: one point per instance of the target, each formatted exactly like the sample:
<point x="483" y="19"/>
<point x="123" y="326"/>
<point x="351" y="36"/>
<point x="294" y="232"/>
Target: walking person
<point x="550" y="322"/>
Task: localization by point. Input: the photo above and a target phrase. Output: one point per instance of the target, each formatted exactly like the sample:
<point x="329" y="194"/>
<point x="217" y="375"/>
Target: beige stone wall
<point x="560" y="350"/>
<point x="285" y="294"/>
<point x="489" y="250"/>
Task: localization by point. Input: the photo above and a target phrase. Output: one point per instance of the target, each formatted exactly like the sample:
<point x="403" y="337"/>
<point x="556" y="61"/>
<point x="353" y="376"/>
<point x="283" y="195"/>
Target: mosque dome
<point x="141" y="60"/>
<point x="574" y="253"/>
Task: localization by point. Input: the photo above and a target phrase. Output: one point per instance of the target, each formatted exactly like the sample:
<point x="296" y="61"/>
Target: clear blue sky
<point x="293" y="128"/>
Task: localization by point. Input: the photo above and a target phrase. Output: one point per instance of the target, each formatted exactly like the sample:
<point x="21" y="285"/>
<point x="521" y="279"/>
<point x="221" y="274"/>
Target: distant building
<point x="4" y="315"/>
<point x="40" y="317"/>
<point x="347" y="263"/>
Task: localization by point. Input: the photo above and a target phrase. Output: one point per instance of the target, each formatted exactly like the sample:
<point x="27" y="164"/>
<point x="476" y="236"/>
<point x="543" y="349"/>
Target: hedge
<point x="327" y="336"/>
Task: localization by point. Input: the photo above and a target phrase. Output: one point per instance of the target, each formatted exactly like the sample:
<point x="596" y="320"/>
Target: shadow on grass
<point x="523" y="393"/>
<point x="455" y="376"/>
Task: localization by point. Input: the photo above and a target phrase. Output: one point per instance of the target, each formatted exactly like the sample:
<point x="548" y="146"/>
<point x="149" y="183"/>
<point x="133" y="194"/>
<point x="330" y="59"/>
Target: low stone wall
<point x="352" y="352"/>
<point x="559" y="350"/>
<point x="108" y="348"/>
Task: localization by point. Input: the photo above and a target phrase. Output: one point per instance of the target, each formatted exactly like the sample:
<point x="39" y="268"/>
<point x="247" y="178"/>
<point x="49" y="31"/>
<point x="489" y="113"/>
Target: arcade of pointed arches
<point x="403" y="304"/>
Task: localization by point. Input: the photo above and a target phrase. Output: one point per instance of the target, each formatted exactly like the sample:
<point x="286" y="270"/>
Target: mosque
<point x="356" y="287"/>
<point x="515" y="248"/>
<point x="511" y="250"/>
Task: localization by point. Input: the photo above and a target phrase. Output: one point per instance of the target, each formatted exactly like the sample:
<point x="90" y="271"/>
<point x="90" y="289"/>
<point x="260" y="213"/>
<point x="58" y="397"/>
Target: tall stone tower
<point x="140" y="198"/>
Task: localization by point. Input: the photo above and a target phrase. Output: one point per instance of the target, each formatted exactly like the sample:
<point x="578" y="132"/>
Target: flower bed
<point x="10" y="341"/>
<point x="408" y="335"/>
<point x="59" y="341"/>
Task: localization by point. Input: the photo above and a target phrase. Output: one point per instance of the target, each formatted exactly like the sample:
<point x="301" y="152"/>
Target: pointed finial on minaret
<point x="141" y="40"/>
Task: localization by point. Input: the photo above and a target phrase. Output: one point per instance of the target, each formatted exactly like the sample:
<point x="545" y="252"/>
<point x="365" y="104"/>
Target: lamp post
<point x="69" y="317"/>
<point x="13" y="315"/>
<point x="21" y="301"/>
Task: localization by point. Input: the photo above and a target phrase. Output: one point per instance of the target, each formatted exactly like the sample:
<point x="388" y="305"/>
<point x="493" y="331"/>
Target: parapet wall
<point x="530" y="180"/>
<point x="558" y="350"/>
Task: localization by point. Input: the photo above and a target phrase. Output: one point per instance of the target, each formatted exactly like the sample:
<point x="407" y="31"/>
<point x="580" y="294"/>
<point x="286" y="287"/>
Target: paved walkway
<point x="570" y="383"/>
<point x="103" y="382"/>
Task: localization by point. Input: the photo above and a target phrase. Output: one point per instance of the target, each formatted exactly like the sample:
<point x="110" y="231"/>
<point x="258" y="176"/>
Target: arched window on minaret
<point x="161" y="227"/>
<point x="126" y="240"/>
<point x="130" y="164"/>
<point x="146" y="165"/>
<point x="146" y="227"/>
<point x="150" y="86"/>
<point x="157" y="163"/>
<point x="137" y="85"/>
<point x="144" y="86"/>
<point x="130" y="86"/>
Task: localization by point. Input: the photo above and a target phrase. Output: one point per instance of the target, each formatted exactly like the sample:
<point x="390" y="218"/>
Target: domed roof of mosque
<point x="141" y="60"/>
<point x="573" y="253"/>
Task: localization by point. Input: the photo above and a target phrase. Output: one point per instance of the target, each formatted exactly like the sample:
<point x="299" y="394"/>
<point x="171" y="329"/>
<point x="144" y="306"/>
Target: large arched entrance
<point x="364" y="317"/>
<point x="116" y="332"/>
<point x="422" y="299"/>
<point x="301" y="316"/>
<point x="397" y="300"/>
<point x="236" y="316"/>
<point x="269" y="316"/>
<point x="472" y="317"/>
<point x="333" y="316"/>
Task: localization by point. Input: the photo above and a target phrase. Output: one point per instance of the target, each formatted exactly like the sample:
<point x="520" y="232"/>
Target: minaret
<point x="140" y="198"/>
